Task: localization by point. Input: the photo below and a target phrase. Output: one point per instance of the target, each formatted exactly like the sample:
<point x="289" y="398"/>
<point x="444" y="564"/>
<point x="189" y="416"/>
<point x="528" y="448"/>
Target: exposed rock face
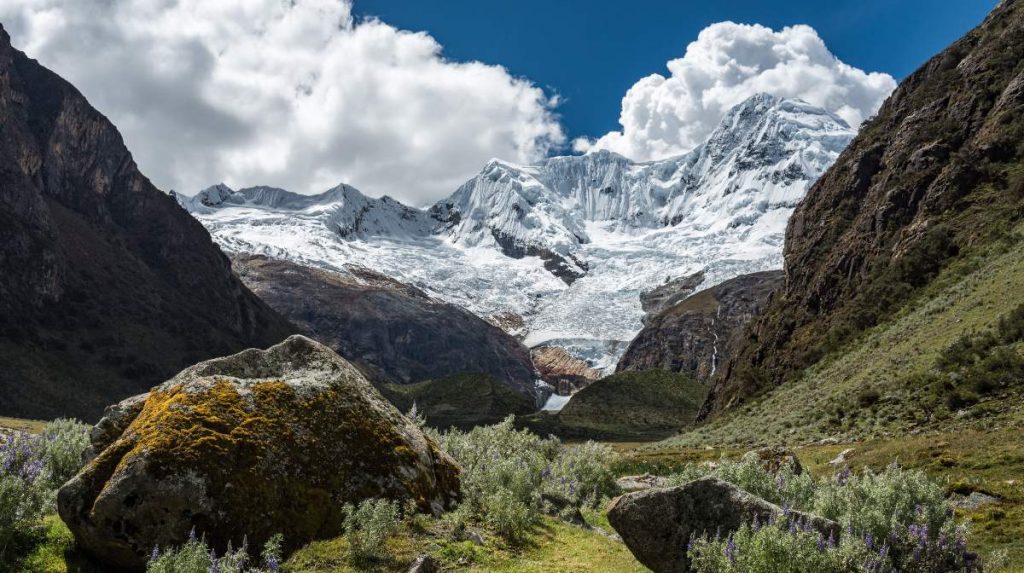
<point x="107" y="286"/>
<point x="566" y="373"/>
<point x="394" y="333"/>
<point x="696" y="335"/>
<point x="258" y="443"/>
<point x="656" y="524"/>
<point x="671" y="293"/>
<point x="935" y="174"/>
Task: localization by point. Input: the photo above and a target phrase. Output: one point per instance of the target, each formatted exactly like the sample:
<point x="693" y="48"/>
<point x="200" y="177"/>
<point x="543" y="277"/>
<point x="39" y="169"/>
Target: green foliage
<point x="896" y="520"/>
<point x="783" y="487"/>
<point x="63" y="443"/>
<point x="775" y="548"/>
<point x="195" y="556"/>
<point x="368" y="526"/>
<point x="505" y="472"/>
<point x="31" y="469"/>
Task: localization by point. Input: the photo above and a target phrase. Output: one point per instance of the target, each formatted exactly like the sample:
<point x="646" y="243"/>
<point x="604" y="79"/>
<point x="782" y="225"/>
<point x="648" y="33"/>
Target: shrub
<point x="895" y="520"/>
<point x="195" y="556"/>
<point x="368" y="526"/>
<point x="63" y="443"/>
<point x="505" y="471"/>
<point x="25" y="494"/>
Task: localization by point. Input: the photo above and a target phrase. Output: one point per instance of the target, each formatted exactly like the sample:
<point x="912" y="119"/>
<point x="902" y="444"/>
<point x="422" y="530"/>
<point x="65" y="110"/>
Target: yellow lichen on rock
<point x="233" y="456"/>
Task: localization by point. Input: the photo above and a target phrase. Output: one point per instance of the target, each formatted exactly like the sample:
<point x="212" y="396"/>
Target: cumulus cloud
<point x="295" y="94"/>
<point x="664" y="116"/>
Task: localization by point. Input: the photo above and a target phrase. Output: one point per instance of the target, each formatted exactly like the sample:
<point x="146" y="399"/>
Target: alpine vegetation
<point x="894" y="520"/>
<point x="31" y="469"/>
<point x="510" y="477"/>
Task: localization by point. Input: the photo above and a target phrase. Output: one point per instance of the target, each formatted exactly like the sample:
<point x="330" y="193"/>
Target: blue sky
<point x="592" y="52"/>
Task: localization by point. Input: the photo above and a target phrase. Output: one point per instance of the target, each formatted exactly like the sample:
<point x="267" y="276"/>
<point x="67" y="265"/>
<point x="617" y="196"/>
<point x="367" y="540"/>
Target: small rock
<point x="975" y="500"/>
<point x="774" y="459"/>
<point x="473" y="537"/>
<point x="843" y="457"/>
<point x="628" y="484"/>
<point x="425" y="564"/>
<point x="656" y="524"/>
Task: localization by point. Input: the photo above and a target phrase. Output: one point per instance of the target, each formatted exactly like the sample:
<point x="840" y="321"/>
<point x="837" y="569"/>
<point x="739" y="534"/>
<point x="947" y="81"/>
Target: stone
<point x="425" y="564"/>
<point x="843" y="458"/>
<point x="774" y="459"/>
<point x="629" y="484"/>
<point x="254" y="444"/>
<point x="657" y="524"/>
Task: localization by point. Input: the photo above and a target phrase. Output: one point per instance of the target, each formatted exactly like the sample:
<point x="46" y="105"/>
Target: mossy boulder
<point x="254" y="444"/>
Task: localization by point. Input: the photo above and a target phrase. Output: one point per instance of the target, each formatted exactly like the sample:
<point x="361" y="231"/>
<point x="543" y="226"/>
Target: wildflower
<point x="730" y="550"/>
<point x="868" y="540"/>
<point x="155" y="554"/>
<point x="192" y="534"/>
<point x="756" y="526"/>
<point x="214" y="562"/>
<point x="831" y="540"/>
<point x="272" y="563"/>
<point x="843" y="476"/>
<point x="821" y="542"/>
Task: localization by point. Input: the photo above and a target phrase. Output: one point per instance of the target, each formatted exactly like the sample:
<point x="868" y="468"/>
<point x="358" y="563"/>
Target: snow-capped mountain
<point x="569" y="243"/>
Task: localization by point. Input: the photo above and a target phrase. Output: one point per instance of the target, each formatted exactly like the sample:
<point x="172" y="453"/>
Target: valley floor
<point x="983" y="461"/>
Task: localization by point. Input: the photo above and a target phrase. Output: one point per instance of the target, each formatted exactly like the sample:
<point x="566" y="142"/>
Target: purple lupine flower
<point x="730" y="550"/>
<point x="691" y="542"/>
<point x="192" y="534"/>
<point x="820" y="542"/>
<point x="780" y="482"/>
<point x="155" y="554"/>
<point x="843" y="476"/>
<point x="785" y="509"/>
<point x="918" y="510"/>
<point x="831" y="543"/>
<point x="756" y="526"/>
<point x="792" y="526"/>
<point x="884" y="551"/>
<point x="868" y="540"/>
<point x="214" y="562"/>
<point x="916" y="555"/>
<point x="273" y="564"/>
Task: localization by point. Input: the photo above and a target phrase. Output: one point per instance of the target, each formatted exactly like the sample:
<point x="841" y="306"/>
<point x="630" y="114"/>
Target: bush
<point x="368" y="526"/>
<point x="63" y="443"/>
<point x="25" y="494"/>
<point x="195" y="556"/>
<point x="896" y="520"/>
<point x="505" y="472"/>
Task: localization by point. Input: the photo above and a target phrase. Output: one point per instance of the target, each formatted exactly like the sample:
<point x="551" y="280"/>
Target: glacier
<point x="567" y="244"/>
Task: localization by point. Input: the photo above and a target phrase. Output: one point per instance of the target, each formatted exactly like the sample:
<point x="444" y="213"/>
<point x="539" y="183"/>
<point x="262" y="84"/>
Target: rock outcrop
<point x="657" y="524"/>
<point x="563" y="371"/>
<point x="696" y="335"/>
<point x="667" y="295"/>
<point x="257" y="443"/>
<point x="934" y="176"/>
<point x="394" y="333"/>
<point x="107" y="286"/>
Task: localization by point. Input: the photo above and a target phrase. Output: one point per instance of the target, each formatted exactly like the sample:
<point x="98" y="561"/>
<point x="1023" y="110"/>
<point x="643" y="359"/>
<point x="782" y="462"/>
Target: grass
<point x="627" y="406"/>
<point x="552" y="546"/>
<point x="31" y="426"/>
<point x="870" y="389"/>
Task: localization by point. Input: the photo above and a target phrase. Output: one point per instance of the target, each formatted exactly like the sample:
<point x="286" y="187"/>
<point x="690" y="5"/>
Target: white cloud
<point x="292" y="93"/>
<point x="729" y="62"/>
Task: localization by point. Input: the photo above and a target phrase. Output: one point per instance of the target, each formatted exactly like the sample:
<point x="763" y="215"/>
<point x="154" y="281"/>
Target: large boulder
<point x="657" y="524"/>
<point x="258" y="443"/>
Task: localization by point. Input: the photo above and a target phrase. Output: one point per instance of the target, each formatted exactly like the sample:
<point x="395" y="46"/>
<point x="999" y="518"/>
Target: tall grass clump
<point x="894" y="520"/>
<point x="507" y="472"/>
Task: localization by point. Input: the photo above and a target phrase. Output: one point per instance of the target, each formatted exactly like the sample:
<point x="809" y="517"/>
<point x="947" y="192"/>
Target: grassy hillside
<point x="462" y="400"/>
<point x="627" y="406"/>
<point x="917" y="371"/>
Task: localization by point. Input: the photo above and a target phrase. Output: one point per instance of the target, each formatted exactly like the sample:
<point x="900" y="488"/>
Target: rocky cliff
<point x="933" y="178"/>
<point x="696" y="335"/>
<point x="394" y="333"/>
<point x="107" y="286"/>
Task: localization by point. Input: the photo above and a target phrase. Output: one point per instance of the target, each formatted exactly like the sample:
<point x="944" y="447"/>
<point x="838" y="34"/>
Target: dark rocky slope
<point x="107" y="286"/>
<point x="394" y="333"/>
<point x="935" y="176"/>
<point x="696" y="335"/>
